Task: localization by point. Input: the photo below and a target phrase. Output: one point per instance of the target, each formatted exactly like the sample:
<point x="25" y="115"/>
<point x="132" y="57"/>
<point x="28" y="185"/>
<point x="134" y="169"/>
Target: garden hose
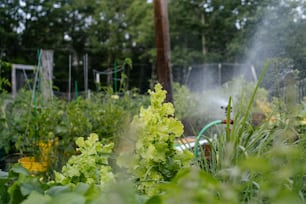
<point x="204" y="129"/>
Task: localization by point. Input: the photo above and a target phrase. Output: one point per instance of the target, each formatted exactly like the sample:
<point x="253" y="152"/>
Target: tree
<point x="233" y="30"/>
<point x="9" y="24"/>
<point x="278" y="34"/>
<point x="201" y="31"/>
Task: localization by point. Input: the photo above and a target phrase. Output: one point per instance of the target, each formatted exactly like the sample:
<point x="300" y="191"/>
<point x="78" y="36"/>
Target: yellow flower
<point x="303" y="122"/>
<point x="115" y="97"/>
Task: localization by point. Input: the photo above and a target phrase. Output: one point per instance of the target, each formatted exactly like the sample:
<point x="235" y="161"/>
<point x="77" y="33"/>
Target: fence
<point x="208" y="76"/>
<point x="300" y="93"/>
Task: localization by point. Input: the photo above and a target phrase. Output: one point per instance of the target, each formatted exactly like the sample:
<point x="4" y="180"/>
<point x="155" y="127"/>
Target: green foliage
<point x="90" y="165"/>
<point x="21" y="187"/>
<point x="84" y="193"/>
<point x="27" y="124"/>
<point x="237" y="141"/>
<point x="4" y="197"/>
<point x="24" y="123"/>
<point x="154" y="159"/>
<point x="3" y="83"/>
<point x="5" y="67"/>
<point x="192" y="185"/>
<point x="260" y="147"/>
<point x="248" y="164"/>
<point x="15" y="122"/>
<point x="275" y="177"/>
<point x="17" y="184"/>
<point x="141" y="19"/>
<point x="197" y="109"/>
<point x="117" y="26"/>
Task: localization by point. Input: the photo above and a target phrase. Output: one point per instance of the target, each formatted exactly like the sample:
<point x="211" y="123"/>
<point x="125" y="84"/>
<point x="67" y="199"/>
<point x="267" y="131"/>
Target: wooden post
<point x="47" y="73"/>
<point x="162" y="42"/>
<point x="14" y="86"/>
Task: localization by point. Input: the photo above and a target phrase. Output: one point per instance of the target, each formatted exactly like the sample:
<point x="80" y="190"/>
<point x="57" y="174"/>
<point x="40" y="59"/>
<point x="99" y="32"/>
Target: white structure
<point x="23" y="68"/>
<point x="44" y="73"/>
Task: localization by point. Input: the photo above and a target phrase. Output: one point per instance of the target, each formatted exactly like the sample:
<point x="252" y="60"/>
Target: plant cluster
<point x="247" y="164"/>
<point x="90" y="165"/>
<point x="26" y="122"/>
<point x="153" y="159"/>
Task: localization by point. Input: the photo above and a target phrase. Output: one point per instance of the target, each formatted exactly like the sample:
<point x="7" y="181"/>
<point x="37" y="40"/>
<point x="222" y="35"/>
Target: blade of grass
<point x="242" y="124"/>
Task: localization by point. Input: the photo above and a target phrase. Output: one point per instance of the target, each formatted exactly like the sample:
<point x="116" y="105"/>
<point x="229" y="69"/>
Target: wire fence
<point x="198" y="78"/>
<point x="300" y="91"/>
<point x="204" y="77"/>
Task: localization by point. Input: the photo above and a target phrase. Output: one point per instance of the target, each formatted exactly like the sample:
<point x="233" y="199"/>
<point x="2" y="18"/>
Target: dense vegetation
<point x="127" y="145"/>
<point x="134" y="159"/>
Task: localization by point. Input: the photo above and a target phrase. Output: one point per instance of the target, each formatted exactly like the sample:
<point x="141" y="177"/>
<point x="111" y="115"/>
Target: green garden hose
<point x="209" y="125"/>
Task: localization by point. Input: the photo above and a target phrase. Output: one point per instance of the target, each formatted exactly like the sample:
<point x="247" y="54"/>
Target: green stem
<point x="228" y="119"/>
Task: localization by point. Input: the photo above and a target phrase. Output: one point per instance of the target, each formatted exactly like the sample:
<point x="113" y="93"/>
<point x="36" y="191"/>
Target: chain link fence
<point x="209" y="76"/>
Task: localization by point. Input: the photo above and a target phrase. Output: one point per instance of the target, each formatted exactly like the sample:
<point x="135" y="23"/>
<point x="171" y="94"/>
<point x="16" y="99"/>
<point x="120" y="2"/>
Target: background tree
<point x="201" y="31"/>
<point x="9" y="38"/>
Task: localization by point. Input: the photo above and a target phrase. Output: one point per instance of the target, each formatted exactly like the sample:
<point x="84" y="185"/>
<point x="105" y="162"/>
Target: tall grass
<point x="261" y="164"/>
<point x="238" y="140"/>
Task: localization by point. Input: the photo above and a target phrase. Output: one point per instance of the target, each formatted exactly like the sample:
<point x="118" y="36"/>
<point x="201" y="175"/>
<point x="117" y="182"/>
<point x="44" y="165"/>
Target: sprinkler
<point x="227" y="120"/>
<point x="227" y="110"/>
<point x="199" y="141"/>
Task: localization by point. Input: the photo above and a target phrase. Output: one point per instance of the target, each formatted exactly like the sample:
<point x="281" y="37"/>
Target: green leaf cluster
<point x="275" y="177"/>
<point x="90" y="165"/>
<point x="154" y="159"/>
<point x="25" y="123"/>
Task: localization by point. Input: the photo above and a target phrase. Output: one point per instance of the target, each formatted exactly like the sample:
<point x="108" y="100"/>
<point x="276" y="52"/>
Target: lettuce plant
<point x="90" y="166"/>
<point x="153" y="159"/>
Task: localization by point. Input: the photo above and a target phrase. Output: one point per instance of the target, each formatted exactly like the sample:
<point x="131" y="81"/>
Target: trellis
<point x="23" y="68"/>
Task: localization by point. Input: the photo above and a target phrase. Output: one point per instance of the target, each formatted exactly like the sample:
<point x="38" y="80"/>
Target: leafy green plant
<point x="90" y="165"/>
<point x="275" y="177"/>
<point x="153" y="159"/>
<point x="17" y="184"/>
<point x="82" y="193"/>
<point x="243" y="142"/>
<point x="4" y="82"/>
<point x="25" y="124"/>
<point x="192" y="185"/>
<point x="16" y="114"/>
<point x="248" y="164"/>
<point x="4" y="197"/>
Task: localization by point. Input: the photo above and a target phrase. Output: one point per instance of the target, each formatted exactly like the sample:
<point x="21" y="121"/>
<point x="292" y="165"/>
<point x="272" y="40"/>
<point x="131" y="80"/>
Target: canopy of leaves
<point x="201" y="31"/>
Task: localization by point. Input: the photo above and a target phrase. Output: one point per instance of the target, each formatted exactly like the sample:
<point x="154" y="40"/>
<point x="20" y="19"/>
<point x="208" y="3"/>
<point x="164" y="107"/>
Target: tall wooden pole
<point x="47" y="73"/>
<point x="162" y="42"/>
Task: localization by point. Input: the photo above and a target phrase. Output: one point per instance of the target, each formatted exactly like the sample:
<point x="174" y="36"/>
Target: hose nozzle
<point x="226" y="108"/>
<point x="227" y="121"/>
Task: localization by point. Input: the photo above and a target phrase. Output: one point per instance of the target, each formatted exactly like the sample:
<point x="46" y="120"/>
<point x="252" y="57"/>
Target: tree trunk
<point x="162" y="42"/>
